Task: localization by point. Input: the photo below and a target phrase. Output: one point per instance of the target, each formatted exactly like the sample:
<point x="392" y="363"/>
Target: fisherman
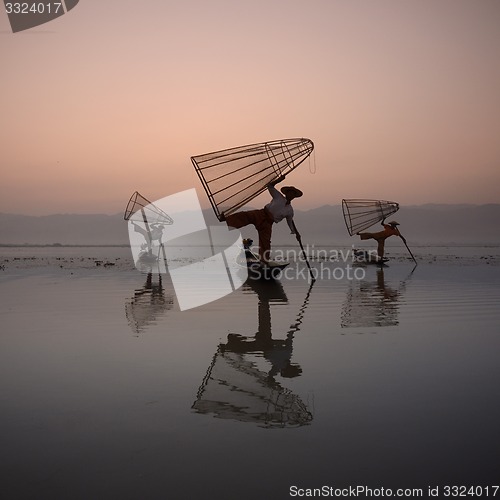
<point x="154" y="233"/>
<point x="263" y="219"/>
<point x="157" y="231"/>
<point x="390" y="229"/>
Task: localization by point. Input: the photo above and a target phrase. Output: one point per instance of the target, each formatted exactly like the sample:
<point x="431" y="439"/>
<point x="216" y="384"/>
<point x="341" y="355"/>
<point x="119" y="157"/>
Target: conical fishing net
<point x="233" y="177"/>
<point x="150" y="212"/>
<point x="362" y="214"/>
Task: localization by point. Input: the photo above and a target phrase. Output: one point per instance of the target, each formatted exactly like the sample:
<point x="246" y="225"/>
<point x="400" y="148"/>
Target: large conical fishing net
<point x="233" y="177"/>
<point x="362" y="214"/>
<point x="149" y="211"/>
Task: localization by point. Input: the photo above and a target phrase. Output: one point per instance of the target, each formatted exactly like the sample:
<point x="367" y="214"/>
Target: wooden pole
<point x="408" y="248"/>
<point x="313" y="279"/>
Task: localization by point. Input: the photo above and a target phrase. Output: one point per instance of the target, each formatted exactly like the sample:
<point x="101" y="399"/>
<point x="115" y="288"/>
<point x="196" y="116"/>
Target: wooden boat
<point x="259" y="269"/>
<point x="366" y="257"/>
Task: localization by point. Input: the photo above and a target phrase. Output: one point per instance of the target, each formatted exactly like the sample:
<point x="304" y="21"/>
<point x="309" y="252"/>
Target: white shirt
<point x="279" y="208"/>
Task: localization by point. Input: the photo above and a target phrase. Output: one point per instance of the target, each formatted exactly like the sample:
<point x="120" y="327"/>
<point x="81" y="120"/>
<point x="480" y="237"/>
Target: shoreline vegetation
<point x="61" y="245"/>
<point x="18" y="259"/>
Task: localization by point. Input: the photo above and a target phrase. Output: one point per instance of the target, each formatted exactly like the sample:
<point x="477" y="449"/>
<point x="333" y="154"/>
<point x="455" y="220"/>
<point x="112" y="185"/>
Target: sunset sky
<point x="401" y="98"/>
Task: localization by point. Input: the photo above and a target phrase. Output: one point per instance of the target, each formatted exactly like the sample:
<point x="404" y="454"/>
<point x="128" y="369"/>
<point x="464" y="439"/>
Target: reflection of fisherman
<point x="263" y="219"/>
<point x="236" y="387"/>
<point x="277" y="351"/>
<point x="389" y="295"/>
<point x="371" y="304"/>
<point x="148" y="303"/>
<point x="390" y="229"/>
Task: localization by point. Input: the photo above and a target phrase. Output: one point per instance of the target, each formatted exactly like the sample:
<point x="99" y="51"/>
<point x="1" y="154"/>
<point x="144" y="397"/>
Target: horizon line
<point x="115" y="214"/>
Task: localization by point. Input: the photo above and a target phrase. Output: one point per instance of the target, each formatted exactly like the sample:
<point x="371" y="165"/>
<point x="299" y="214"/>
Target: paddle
<point x="299" y="239"/>
<point x="408" y="248"/>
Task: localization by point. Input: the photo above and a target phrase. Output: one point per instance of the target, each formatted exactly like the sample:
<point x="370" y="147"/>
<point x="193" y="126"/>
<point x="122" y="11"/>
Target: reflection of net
<point x="234" y="388"/>
<point x="233" y="177"/>
<point x="361" y="214"/>
<point x="150" y="212"/>
<point x="369" y="305"/>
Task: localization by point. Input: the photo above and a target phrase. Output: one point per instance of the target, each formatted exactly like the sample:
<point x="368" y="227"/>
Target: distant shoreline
<point x="312" y="245"/>
<point x="433" y="225"/>
<point x="59" y="245"/>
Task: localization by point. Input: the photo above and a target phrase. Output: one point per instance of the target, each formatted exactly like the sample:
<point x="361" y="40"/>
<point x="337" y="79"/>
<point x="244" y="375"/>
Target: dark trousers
<point x="262" y="221"/>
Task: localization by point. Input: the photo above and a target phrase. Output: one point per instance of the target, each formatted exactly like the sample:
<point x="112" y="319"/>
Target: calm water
<point x="107" y="390"/>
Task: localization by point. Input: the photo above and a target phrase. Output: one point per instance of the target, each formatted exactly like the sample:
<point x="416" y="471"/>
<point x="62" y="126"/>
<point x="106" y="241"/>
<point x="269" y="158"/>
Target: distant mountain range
<point x="422" y="224"/>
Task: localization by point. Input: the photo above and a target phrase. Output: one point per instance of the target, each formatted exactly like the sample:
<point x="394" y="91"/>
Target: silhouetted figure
<point x="390" y="229"/>
<point x="263" y="219"/>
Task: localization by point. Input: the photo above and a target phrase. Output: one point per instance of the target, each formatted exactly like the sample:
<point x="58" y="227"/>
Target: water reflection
<point x="372" y="303"/>
<point x="239" y="384"/>
<point x="148" y="303"/>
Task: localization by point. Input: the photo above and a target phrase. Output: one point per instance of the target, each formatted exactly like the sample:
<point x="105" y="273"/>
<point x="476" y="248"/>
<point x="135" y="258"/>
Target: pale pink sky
<point x="401" y="99"/>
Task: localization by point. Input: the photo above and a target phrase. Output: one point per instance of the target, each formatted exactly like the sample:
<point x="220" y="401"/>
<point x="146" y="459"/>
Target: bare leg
<point x="265" y="231"/>
<point x="380" y="248"/>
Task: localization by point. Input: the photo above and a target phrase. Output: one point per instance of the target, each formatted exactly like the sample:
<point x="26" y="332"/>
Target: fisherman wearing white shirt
<point x="278" y="209"/>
